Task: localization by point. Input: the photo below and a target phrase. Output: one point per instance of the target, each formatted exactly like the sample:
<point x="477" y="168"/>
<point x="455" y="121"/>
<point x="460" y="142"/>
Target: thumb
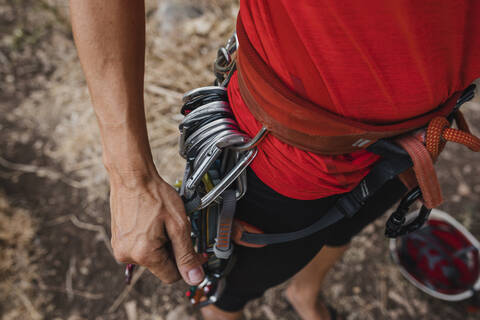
<point x="189" y="262"/>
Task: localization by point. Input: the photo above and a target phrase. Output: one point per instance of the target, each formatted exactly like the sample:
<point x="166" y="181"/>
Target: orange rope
<point x="439" y="132"/>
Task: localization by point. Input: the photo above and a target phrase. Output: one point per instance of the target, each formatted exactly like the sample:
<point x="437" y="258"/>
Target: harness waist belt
<point x="299" y="122"/>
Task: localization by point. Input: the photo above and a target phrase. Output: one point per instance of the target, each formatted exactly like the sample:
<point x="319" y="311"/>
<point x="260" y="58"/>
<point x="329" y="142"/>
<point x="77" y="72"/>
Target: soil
<point x="56" y="259"/>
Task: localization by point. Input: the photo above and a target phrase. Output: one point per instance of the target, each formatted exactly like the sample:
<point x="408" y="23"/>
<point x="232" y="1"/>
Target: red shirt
<point x="375" y="61"/>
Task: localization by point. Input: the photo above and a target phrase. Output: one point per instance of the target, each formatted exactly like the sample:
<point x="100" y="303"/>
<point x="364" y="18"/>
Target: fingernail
<point x="195" y="275"/>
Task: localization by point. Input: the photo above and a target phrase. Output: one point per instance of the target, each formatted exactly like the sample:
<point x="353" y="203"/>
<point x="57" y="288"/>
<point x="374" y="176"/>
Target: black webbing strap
<point x="332" y="216"/>
<point x="394" y="161"/>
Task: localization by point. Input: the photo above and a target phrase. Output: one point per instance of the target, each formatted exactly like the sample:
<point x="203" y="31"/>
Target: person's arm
<point x="146" y="212"/>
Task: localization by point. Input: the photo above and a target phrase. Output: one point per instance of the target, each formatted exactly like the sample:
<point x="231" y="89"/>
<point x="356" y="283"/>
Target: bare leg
<point x="305" y="286"/>
<point x="302" y="292"/>
<point x="211" y="312"/>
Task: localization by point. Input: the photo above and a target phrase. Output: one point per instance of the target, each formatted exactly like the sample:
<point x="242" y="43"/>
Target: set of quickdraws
<point x="217" y="154"/>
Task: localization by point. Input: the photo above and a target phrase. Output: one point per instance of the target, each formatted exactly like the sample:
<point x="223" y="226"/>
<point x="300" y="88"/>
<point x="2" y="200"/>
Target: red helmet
<point x="441" y="259"/>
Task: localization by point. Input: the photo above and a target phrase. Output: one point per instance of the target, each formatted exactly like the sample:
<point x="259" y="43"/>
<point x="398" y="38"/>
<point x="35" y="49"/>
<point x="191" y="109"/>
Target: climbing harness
<point x="217" y="153"/>
<point x="398" y="158"/>
<point x="442" y="259"/>
<point x="408" y="149"/>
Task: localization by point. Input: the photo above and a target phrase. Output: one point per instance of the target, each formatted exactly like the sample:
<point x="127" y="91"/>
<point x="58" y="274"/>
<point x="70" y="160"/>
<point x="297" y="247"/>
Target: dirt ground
<point x="55" y="254"/>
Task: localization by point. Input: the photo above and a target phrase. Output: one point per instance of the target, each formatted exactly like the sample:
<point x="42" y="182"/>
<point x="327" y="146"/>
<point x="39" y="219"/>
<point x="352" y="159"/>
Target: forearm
<point x="110" y="38"/>
<point x="146" y="212"/>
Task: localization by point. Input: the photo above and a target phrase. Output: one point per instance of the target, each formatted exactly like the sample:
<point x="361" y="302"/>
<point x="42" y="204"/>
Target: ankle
<point x="211" y="312"/>
<point x="296" y="291"/>
<point x="307" y="305"/>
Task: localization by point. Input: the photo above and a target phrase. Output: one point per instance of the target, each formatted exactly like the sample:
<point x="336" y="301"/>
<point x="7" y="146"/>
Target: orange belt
<point x="301" y="123"/>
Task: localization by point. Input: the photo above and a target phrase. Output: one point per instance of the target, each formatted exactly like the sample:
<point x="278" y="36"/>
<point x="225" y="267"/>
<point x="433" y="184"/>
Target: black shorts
<point x="258" y="269"/>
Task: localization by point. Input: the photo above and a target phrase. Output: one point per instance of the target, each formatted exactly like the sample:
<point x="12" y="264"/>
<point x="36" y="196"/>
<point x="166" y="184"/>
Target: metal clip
<point x="204" y="91"/>
<point x="261" y="134"/>
<point x="229" y="178"/>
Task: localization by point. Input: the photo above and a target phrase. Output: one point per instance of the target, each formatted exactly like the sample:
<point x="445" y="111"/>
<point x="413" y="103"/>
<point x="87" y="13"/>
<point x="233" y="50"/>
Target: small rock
<point x="179" y="313"/>
<point x="463" y="189"/>
<point x="172" y="14"/>
<point x="456" y="198"/>
<point x="83" y="270"/>
<point x="200" y="26"/>
<point x="369" y="229"/>
<point x="131" y="310"/>
<point x="147" y="302"/>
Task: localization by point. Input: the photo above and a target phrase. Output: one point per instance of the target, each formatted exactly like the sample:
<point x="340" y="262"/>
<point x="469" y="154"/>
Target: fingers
<point x="162" y="265"/>
<point x="178" y="229"/>
<point x="142" y="237"/>
<point x="157" y="257"/>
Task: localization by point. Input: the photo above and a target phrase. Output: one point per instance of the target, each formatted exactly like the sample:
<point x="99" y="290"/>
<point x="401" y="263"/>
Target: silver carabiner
<point x="232" y="44"/>
<point x="222" y="140"/>
<point x="244" y="161"/>
<point x="200" y="136"/>
<point x="204" y="111"/>
<point x="188" y="96"/>
<point x="210" y="154"/>
<point x="261" y="134"/>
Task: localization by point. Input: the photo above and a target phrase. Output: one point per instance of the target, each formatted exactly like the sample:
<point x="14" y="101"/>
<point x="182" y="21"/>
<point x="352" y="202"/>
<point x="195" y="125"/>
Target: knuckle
<point x="120" y="254"/>
<point x="141" y="254"/>
<point x="181" y="227"/>
<point x="187" y="259"/>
